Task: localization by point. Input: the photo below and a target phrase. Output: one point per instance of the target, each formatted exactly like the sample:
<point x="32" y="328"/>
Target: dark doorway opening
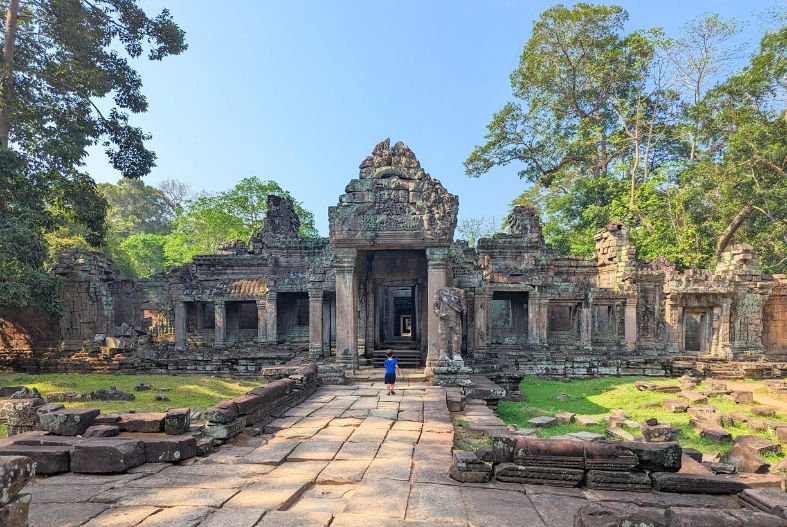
<point x="398" y="321"/>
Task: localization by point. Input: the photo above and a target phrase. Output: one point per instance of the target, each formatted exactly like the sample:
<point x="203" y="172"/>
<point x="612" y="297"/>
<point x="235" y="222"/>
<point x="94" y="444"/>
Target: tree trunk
<point x="7" y="81"/>
<point x="732" y="227"/>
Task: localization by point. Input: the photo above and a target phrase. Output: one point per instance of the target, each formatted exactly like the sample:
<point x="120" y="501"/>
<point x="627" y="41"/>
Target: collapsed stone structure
<point x="370" y="286"/>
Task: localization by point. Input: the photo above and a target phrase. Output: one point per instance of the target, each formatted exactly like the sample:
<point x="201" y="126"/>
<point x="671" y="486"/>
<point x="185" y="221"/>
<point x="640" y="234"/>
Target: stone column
<point x="220" y="322"/>
<point x="270" y="317"/>
<point x="585" y="323"/>
<point x="346" y="312"/>
<point x="533" y="310"/>
<point x="630" y="323"/>
<point x="200" y="322"/>
<point x="437" y="276"/>
<point x="262" y="320"/>
<point x="723" y="346"/>
<point x="315" y="323"/>
<point x="483" y="316"/>
<point x="674" y="319"/>
<point x="180" y="325"/>
<point x="543" y="320"/>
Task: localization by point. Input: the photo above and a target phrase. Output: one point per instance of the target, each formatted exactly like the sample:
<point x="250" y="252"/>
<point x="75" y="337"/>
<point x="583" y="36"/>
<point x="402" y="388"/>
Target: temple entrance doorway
<point x="395" y="308"/>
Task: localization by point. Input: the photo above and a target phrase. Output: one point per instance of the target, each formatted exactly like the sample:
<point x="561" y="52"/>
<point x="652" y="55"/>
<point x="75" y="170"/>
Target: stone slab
<point x="271" y="494"/>
<point x="233" y="517"/>
<point x="177" y="517"/>
<point x="499" y="508"/>
<point x="122" y="517"/>
<point x="440" y="504"/>
<point x="315" y="450"/>
<point x="102" y="456"/>
<point x="68" y="421"/>
<point x="382" y="498"/>
<point x="48" y="459"/>
<point x="295" y="519"/>
<point x="341" y="472"/>
<point x="64" y="514"/>
<point x="272" y="453"/>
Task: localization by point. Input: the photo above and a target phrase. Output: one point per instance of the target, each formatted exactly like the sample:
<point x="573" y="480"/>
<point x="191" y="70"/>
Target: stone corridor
<point x="348" y="456"/>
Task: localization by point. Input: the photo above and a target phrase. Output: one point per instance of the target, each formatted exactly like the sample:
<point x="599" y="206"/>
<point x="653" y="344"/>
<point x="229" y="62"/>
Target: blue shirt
<point x="390" y="365"/>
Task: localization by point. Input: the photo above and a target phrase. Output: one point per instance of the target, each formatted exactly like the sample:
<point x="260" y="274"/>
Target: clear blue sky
<point x="300" y="91"/>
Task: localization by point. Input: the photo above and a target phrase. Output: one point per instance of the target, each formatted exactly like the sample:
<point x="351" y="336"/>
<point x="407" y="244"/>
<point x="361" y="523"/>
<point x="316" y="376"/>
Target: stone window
<point x="509" y="317"/>
<point x="695" y="331"/>
<point x="604" y="320"/>
<point x="241" y="319"/>
<point x="292" y="317"/>
<point x="561" y="317"/>
<point x="247" y="315"/>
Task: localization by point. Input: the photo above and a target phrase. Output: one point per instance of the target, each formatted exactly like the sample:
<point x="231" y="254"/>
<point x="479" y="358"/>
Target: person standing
<point x="391" y="370"/>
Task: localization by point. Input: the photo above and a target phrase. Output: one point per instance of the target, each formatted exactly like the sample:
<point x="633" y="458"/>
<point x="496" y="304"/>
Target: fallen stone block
<point x="745" y="459"/>
<point x="693" y="453"/>
<point x="249" y="403"/>
<point x="503" y="447"/>
<point x="470" y="476"/>
<point x="749" y="518"/>
<point x="467" y="461"/>
<point x="694" y="483"/>
<point x="710" y="431"/>
<point x="565" y="417"/>
<point x="772" y="501"/>
<point x="177" y="421"/>
<point x="143" y="422"/>
<point x="609" y="456"/>
<point x="68" y="421"/>
<point x="618" y="433"/>
<point x="675" y="406"/>
<point x="485" y="453"/>
<point x="549" y="453"/>
<point x="585" y="436"/>
<point x="607" y="514"/>
<point x="15" y="473"/>
<point x="542" y="421"/>
<point x="696" y="516"/>
<point x="101" y="431"/>
<point x="48" y="459"/>
<point x="761" y="445"/>
<point x="107" y="419"/>
<point x="718" y="467"/>
<point x="763" y="411"/>
<point x="617" y="480"/>
<point x="20" y="414"/>
<point x="222" y="413"/>
<point x="703" y="412"/>
<point x="586" y="420"/>
<point x="107" y="456"/>
<point x="540" y="475"/>
<point x="15" y="513"/>
<point x="695" y="398"/>
<point x="657" y="433"/>
<point x="224" y="431"/>
<point x="161" y="448"/>
<point x="743" y="397"/>
<point x="781" y="432"/>
<point x="204" y="445"/>
<point x="656" y="456"/>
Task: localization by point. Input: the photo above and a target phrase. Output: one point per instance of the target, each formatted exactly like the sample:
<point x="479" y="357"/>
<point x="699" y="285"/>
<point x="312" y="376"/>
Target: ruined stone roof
<point x="246" y="287"/>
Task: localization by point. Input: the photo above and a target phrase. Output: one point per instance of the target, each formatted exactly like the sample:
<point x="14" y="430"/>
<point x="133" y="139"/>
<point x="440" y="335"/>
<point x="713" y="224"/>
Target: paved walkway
<point x="348" y="456"/>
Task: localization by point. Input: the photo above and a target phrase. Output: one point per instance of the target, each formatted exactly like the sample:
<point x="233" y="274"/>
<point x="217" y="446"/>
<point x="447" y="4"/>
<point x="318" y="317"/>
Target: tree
<point x="474" y="228"/>
<point x="66" y="84"/>
<point x="235" y="214"/>
<point x="136" y="208"/>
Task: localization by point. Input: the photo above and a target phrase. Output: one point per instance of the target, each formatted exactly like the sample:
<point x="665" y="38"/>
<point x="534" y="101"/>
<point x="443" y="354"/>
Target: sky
<point x="300" y="91"/>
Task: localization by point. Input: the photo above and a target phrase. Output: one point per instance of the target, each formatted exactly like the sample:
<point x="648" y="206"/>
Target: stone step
<point x="48" y="459"/>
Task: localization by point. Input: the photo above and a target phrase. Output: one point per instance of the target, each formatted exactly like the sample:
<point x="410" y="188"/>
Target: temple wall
<point x="774" y="318"/>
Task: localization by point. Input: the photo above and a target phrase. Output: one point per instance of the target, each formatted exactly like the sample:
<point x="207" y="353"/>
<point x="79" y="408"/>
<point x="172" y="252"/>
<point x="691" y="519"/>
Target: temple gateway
<point x="371" y="286"/>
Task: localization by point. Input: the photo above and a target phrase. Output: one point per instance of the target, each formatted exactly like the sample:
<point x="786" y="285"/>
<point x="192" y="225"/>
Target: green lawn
<point x="197" y="392"/>
<point x="597" y="397"/>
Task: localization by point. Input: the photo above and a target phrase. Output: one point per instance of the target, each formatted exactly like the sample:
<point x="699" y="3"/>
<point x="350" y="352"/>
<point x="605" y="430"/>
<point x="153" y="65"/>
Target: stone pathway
<point x="348" y="456"/>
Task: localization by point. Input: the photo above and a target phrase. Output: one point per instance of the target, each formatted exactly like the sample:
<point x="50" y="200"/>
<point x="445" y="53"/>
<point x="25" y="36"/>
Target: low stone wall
<point x="287" y="386"/>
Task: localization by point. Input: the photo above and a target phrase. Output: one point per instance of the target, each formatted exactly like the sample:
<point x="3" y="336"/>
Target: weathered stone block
<point x="470" y="476"/>
<point x="695" y="483"/>
<point x="144" y="422"/>
<point x="161" y="448"/>
<point x="68" y="421"/>
<point x="107" y="456"/>
<point x="745" y="459"/>
<point x="608" y="514"/>
<point x="542" y="421"/>
<point x="657" y="433"/>
<point x="656" y="456"/>
<point x="549" y="452"/>
<point x="222" y="413"/>
<point x="763" y="411"/>
<point x="177" y="421"/>
<point x="48" y="459"/>
<point x="761" y="445"/>
<point x="248" y="404"/>
<point x="617" y="480"/>
<point x="743" y="397"/>
<point x="15" y="472"/>
<point x="204" y="446"/>
<point x="606" y="456"/>
<point x="101" y="431"/>
<point x="225" y="431"/>
<point x="710" y="431"/>
<point x="557" y="476"/>
<point x="694" y="398"/>
<point x="15" y="513"/>
<point x="565" y="417"/>
<point x="676" y="406"/>
<point x="586" y="420"/>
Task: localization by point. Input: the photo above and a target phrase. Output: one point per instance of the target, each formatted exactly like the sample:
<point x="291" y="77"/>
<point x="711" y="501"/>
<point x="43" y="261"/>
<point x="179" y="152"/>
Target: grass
<point x="197" y="392"/>
<point x="597" y="397"/>
<point x="468" y="440"/>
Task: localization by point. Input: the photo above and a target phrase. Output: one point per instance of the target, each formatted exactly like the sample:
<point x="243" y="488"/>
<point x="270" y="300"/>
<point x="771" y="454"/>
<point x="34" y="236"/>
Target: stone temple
<point x="370" y="286"/>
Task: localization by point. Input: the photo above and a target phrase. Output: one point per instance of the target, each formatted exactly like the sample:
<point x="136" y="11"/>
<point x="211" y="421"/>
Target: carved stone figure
<point x="449" y="306"/>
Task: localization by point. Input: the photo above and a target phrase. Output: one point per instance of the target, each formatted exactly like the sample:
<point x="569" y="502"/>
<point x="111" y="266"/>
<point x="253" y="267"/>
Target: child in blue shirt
<point x="391" y="369"/>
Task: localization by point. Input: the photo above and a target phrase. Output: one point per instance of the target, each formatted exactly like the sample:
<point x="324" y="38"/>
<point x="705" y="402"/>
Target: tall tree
<point x="66" y="83"/>
<point x="136" y="208"/>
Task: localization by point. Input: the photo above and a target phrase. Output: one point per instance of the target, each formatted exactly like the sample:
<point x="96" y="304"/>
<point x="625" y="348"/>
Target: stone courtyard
<point x="347" y="456"/>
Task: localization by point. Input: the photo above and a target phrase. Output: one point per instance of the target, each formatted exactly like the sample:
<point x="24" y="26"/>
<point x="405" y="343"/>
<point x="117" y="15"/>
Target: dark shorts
<point x="390" y="378"/>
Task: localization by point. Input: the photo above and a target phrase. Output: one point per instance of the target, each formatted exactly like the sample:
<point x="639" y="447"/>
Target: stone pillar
<point x="270" y="317"/>
<point x="483" y="316"/>
<point x="543" y="320"/>
<point x="346" y="312"/>
<point x="315" y="323"/>
<point x="533" y="310"/>
<point x="220" y="323"/>
<point x="674" y="319"/>
<point x="724" y="345"/>
<point x="585" y="323"/>
<point x="630" y="323"/>
<point x="262" y="320"/>
<point x="180" y="325"/>
<point x="437" y="276"/>
<point x="200" y="322"/>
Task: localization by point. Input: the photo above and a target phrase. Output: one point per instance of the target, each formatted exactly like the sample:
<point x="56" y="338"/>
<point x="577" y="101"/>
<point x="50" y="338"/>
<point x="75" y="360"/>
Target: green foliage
<point x="136" y="208"/>
<point x="597" y="397"/>
<point x="613" y="126"/>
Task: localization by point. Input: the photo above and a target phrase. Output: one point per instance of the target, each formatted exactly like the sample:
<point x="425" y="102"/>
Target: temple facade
<point x="370" y="287"/>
